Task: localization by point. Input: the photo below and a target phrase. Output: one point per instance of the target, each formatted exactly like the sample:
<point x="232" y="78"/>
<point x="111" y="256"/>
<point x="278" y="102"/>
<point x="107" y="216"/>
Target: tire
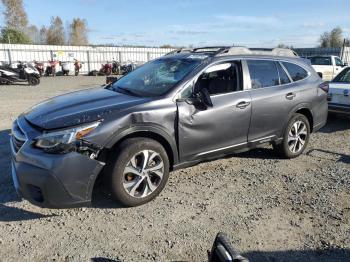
<point x="293" y="145"/>
<point x="130" y="183"/>
<point x="33" y="80"/>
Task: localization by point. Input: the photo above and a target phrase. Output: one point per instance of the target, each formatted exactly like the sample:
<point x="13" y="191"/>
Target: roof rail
<point x="210" y="49"/>
<point x="238" y="50"/>
<point x="180" y="50"/>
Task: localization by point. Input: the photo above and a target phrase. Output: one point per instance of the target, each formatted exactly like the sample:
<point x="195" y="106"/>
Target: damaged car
<point x="174" y="112"/>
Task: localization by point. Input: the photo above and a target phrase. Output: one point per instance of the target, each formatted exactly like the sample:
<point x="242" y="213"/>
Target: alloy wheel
<point x="143" y="173"/>
<point x="297" y="136"/>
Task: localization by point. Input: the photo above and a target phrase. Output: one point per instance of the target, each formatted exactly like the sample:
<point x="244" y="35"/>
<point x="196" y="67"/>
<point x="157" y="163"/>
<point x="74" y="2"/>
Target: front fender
<point x="154" y="129"/>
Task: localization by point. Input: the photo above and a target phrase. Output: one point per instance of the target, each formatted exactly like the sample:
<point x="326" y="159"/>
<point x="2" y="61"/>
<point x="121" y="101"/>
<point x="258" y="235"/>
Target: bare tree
<point x="33" y="33"/>
<point x="325" y="40"/>
<point x="42" y="35"/>
<point x="78" y="32"/>
<point x="334" y="38"/>
<point x="15" y="15"/>
<point x="281" y="45"/>
<point x="55" y="33"/>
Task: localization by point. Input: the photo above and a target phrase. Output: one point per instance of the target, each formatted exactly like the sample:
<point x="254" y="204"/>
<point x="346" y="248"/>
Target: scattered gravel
<point x="272" y="209"/>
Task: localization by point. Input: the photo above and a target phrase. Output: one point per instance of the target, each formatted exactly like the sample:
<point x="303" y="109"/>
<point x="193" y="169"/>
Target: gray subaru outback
<point x="173" y="112"/>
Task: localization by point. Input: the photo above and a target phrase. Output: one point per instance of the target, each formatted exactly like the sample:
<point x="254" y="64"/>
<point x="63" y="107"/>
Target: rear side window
<point x="319" y="60"/>
<point x="284" y="79"/>
<point x="296" y="72"/>
<point x="263" y="73"/>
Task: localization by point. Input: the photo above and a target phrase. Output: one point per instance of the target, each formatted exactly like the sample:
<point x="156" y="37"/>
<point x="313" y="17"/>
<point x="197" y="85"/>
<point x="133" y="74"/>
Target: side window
<point x="284" y="79"/>
<point x="296" y="72"/>
<point x="263" y="73"/>
<point x="221" y="78"/>
<point x="338" y="62"/>
<point x="320" y="60"/>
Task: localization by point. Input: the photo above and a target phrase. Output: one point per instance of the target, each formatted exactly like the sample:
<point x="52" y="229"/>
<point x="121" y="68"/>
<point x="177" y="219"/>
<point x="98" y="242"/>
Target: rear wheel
<point x="296" y="137"/>
<point x="33" y="80"/>
<point x="138" y="172"/>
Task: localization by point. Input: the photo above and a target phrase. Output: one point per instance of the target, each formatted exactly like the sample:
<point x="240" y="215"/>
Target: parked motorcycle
<point x="77" y="67"/>
<point x="40" y="67"/>
<point x="51" y="68"/>
<point x="127" y="68"/>
<point x="115" y="67"/>
<point x="23" y="73"/>
<point x="65" y="68"/>
<point x="106" y="69"/>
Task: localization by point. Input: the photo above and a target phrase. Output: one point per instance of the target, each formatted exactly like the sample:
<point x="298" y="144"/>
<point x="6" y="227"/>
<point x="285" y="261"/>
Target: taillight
<point x="324" y="87"/>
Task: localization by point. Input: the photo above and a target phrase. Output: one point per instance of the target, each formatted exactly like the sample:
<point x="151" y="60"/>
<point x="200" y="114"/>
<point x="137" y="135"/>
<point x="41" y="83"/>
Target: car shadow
<point x="258" y="153"/>
<point x="7" y="190"/>
<point x="330" y="155"/>
<point x="103" y="259"/>
<point x="102" y="197"/>
<point x="326" y="255"/>
<point x="336" y="122"/>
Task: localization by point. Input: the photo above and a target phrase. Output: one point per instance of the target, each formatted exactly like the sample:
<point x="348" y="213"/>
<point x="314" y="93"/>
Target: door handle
<point x="290" y="96"/>
<point x="242" y="105"/>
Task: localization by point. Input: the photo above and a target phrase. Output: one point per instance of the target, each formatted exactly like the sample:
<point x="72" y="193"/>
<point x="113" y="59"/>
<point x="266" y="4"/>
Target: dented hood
<point x="79" y="107"/>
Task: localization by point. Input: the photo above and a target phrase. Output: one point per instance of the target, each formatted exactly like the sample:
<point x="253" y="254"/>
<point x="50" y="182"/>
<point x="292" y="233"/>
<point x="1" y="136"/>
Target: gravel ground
<point x="272" y="209"/>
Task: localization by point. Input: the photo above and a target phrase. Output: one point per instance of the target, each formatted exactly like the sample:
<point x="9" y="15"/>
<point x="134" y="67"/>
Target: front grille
<point x="18" y="137"/>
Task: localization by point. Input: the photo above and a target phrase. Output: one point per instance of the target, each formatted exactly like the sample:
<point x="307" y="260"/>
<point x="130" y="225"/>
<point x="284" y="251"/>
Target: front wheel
<point x="33" y="80"/>
<point x="295" y="138"/>
<point x="138" y="172"/>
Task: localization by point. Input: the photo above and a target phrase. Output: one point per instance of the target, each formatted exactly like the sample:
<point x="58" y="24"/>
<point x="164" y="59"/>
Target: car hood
<point x="79" y="107"/>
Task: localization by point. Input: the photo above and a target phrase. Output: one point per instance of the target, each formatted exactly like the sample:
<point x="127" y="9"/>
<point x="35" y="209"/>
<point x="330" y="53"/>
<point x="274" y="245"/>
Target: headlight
<point x="51" y="140"/>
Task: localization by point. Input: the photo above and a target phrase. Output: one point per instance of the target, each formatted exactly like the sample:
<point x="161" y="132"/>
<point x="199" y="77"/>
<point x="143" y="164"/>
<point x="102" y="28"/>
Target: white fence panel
<point x="91" y="56"/>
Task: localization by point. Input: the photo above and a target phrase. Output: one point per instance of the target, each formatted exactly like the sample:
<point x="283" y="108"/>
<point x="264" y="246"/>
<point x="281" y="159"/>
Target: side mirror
<point x="222" y="250"/>
<point x="205" y="97"/>
<point x="200" y="99"/>
<point x="345" y="64"/>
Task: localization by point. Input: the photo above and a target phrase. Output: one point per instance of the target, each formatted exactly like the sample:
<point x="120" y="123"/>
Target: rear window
<point x="263" y="73"/>
<point x="319" y="60"/>
<point x="296" y="72"/>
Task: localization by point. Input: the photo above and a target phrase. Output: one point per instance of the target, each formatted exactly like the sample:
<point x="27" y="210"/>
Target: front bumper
<point x="52" y="180"/>
<point x="339" y="108"/>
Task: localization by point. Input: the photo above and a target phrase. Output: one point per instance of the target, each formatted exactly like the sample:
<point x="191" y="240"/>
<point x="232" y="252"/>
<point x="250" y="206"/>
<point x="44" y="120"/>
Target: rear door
<point x="272" y="99"/>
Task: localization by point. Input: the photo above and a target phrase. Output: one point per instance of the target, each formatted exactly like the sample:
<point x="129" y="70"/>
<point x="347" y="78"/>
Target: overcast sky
<point x="199" y="22"/>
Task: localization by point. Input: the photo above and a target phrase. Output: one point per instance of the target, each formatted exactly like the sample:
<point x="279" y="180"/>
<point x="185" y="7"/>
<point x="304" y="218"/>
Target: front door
<point x="205" y="133"/>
